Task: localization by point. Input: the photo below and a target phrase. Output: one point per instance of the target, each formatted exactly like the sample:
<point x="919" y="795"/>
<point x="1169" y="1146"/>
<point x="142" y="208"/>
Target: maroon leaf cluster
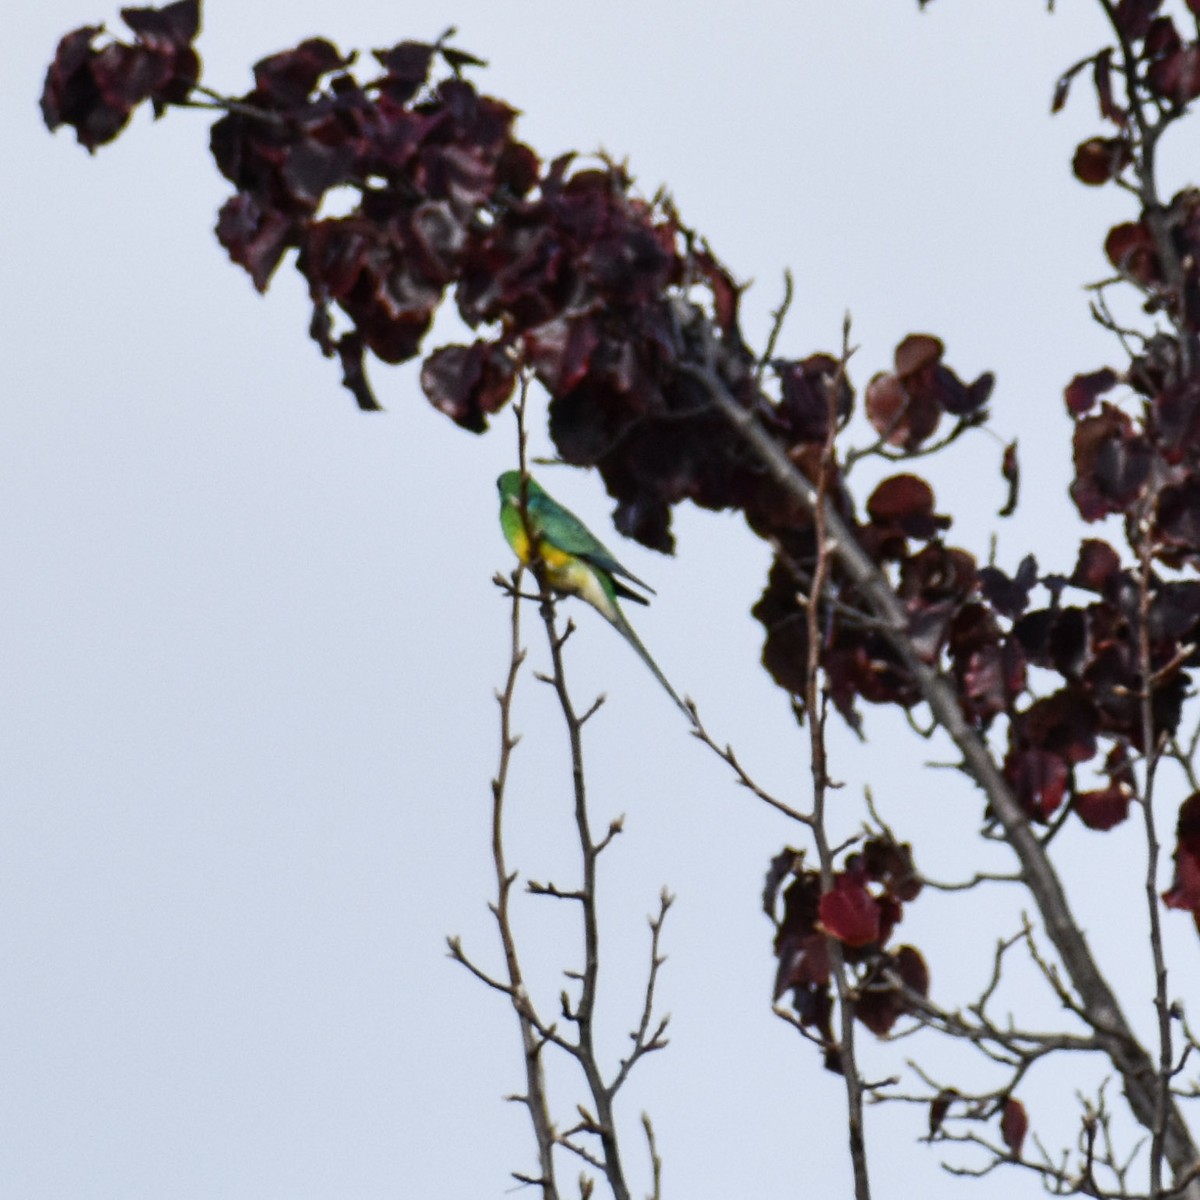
<point x="860" y="910"/>
<point x="1137" y="457"/>
<point x="943" y="592"/>
<point x="976" y="625"/>
<point x="1167" y="66"/>
<point x="95" y="89"/>
<point x="427" y="165"/>
<point x="1157" y="254"/>
<point x="906" y="405"/>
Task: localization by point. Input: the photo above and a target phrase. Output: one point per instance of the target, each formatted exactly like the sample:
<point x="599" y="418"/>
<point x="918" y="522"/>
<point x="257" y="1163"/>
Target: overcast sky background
<point x="249" y="640"/>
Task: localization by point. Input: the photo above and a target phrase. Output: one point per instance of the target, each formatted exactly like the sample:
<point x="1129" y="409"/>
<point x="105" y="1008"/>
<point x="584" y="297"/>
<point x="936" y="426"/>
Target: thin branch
<point x="964" y="885"/>
<point x="227" y="104"/>
<point x="728" y="756"/>
<point x="1150" y="744"/>
<point x="879" y="447"/>
<point x="533" y="1032"/>
<point x="1126" y="1053"/>
<point x="604" y="1124"/>
<point x="777" y="319"/>
<point x="655" y="1161"/>
<point x="645" y="1042"/>
<point x="816" y="706"/>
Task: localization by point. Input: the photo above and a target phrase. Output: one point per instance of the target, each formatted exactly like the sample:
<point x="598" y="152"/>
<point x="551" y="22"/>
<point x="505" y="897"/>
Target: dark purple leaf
<point x="896" y="416"/>
<point x="407" y="65"/>
<point x="938" y="1108"/>
<point x="1176" y="76"/>
<point x="806" y="387"/>
<point x="1083" y="391"/>
<point x="311" y="168"/>
<point x="849" y="912"/>
<point x="254" y="238"/>
<point x="1103" y="808"/>
<point x="1130" y="248"/>
<point x="469" y="382"/>
<point x="1010" y="469"/>
<point x="1098" y="564"/>
<point x="1184" y="892"/>
<point x="906" y="502"/>
<point x="1112" y="463"/>
<point x="173" y="25"/>
<point x="288" y="78"/>
<point x="891" y="863"/>
<point x="1039" y="779"/>
<point x="1009" y="596"/>
<point x="781" y="867"/>
<point x="352" y="353"/>
<point x="1134" y="16"/>
<point x="1014" y="1124"/>
<point x="1102" y="78"/>
<point x="1099" y="160"/>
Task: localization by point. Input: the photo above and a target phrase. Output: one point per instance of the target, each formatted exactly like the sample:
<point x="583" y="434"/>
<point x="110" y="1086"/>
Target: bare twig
<point x="645" y="1042"/>
<point x="879" y="447"/>
<point x="727" y="755"/>
<point x="228" y="104"/>
<point x="655" y="1161"/>
<point x="964" y="885"/>
<point x="777" y="319"/>
<point x="533" y="1039"/>
<point x="603" y="1125"/>
<point x="1151" y="747"/>
<point x="816" y="705"/>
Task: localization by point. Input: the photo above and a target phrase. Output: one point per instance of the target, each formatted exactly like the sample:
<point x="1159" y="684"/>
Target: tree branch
<point x="816" y="706"/>
<point x="1129" y="1057"/>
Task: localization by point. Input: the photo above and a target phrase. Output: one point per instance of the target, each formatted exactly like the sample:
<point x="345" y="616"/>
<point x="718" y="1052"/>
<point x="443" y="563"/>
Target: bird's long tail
<point x="626" y="631"/>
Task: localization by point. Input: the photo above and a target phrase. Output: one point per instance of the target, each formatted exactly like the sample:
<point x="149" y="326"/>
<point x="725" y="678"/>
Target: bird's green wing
<point x="564" y="530"/>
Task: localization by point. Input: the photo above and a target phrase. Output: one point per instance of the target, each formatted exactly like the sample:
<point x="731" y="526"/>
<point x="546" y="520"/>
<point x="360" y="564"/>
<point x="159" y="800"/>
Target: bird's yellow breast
<point x="519" y="540"/>
<point x="554" y="558"/>
<point x="565" y="572"/>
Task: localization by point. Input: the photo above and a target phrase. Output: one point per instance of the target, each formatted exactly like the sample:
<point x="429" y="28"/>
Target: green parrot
<point x="576" y="563"/>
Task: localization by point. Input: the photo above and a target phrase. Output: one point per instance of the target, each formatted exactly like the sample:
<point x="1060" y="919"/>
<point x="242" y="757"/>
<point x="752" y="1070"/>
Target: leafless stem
<point x="583" y="1013"/>
<point x="815" y="702"/>
<point x="727" y="755"/>
<point x="535" y="1098"/>
<point x="964" y="885"/>
<point x="879" y="447"/>
<point x="227" y="104"/>
<point x="1103" y="316"/>
<point x="655" y="1161"/>
<point x="645" y="1041"/>
<point x="777" y="319"/>
<point x="1150" y="743"/>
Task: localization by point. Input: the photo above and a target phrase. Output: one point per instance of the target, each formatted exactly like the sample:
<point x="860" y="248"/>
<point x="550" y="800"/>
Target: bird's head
<point x="509" y="486"/>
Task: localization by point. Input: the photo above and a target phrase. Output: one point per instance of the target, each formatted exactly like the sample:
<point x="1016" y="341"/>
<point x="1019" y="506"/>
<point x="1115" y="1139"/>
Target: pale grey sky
<point x="249" y="639"/>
